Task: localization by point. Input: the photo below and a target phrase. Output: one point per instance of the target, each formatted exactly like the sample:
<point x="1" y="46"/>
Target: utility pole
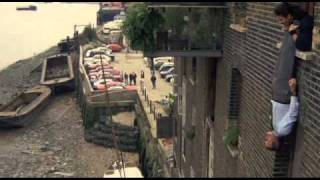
<point x="120" y="161"/>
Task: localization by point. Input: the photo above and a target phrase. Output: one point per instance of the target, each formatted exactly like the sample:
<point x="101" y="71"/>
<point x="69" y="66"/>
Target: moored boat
<point x="57" y="71"/>
<point x="28" y="8"/>
<point x="22" y="109"/>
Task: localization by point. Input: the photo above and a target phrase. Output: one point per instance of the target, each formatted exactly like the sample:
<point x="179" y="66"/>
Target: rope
<point x="109" y="113"/>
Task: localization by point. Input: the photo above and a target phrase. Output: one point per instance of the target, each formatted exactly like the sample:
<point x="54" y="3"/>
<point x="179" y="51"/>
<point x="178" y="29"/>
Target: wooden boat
<point x="29" y="8"/>
<point x="22" y="109"/>
<point x="57" y="71"/>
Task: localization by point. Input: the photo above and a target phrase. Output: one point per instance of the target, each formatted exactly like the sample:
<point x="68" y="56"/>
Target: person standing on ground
<point x="153" y="80"/>
<point x="142" y="79"/>
<point x="130" y="78"/>
<point x="126" y="78"/>
<point x="134" y="78"/>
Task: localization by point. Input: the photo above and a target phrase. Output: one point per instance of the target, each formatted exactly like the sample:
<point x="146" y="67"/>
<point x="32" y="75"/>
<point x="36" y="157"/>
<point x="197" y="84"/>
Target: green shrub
<point x="88" y="35"/>
<point x="190" y="132"/>
<point x="140" y="25"/>
<point x="172" y="101"/>
<point x="231" y="137"/>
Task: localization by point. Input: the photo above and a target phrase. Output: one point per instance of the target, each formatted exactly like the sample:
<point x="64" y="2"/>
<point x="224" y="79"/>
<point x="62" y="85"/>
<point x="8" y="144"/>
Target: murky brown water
<point x="25" y="33"/>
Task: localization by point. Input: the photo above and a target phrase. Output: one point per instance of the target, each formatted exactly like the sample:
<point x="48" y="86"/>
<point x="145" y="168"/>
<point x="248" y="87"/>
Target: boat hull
<point x="18" y="119"/>
<point x="29" y="8"/>
<point x="54" y="64"/>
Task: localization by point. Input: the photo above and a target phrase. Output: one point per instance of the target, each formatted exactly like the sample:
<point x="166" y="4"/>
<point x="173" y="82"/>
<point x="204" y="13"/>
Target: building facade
<point x="224" y="107"/>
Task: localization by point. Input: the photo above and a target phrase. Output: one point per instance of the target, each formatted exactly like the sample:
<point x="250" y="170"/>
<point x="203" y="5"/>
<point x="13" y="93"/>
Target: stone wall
<point x="150" y="157"/>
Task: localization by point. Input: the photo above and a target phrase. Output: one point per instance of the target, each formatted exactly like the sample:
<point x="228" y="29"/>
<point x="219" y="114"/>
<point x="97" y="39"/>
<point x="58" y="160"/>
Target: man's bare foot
<point x="293" y="86"/>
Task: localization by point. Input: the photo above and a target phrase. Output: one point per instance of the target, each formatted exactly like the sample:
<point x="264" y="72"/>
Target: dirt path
<point x="53" y="144"/>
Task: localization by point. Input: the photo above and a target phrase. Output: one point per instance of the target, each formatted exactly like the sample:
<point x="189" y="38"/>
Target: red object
<point x="116" y="72"/>
<point x="118" y="78"/>
<point x="112" y="4"/>
<point x="114" y="47"/>
<point x="99" y="70"/>
<point x="99" y="73"/>
<point x="103" y="87"/>
<point x="130" y="88"/>
<point x="93" y="66"/>
<point x="106" y="66"/>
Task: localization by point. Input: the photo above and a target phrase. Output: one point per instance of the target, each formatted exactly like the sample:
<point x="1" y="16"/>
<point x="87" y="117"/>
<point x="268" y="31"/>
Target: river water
<point x="26" y="33"/>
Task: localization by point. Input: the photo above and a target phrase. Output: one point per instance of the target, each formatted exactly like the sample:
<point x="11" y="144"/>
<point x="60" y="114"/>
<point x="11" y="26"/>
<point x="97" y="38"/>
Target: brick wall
<point x="224" y="164"/>
<point x="317" y="14"/>
<point x="196" y="95"/>
<point x="254" y="53"/>
<point x="310" y="112"/>
<point x="196" y="113"/>
<point x="177" y="128"/>
<point x="259" y="58"/>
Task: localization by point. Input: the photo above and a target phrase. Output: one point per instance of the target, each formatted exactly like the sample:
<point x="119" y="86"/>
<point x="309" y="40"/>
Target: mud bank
<point x="22" y="75"/>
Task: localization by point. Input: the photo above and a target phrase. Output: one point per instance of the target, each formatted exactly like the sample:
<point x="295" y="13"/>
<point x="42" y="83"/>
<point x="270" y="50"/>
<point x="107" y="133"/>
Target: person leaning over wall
<point x="297" y="26"/>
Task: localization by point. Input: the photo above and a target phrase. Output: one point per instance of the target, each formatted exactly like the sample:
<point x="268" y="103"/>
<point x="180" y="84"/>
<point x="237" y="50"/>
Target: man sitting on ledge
<point x="283" y="118"/>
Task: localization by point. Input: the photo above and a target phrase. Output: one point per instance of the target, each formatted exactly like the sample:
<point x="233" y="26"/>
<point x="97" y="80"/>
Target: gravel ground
<point x="21" y="75"/>
<point x="53" y="144"/>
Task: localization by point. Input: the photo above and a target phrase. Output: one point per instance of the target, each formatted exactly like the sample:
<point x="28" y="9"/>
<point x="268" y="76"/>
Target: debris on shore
<point x="22" y="75"/>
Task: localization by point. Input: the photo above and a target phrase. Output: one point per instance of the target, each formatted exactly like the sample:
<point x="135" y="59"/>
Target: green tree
<point x="174" y="20"/>
<point x="140" y="26"/>
<point x="88" y="35"/>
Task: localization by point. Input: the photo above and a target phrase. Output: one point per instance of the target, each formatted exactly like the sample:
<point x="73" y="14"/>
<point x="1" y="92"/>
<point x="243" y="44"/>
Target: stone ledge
<point x="233" y="151"/>
<point x="307" y="56"/>
<point x="238" y="28"/>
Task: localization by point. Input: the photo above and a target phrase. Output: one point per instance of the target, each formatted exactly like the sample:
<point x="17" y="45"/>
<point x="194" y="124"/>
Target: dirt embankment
<point x="21" y="75"/>
<point x="53" y="145"/>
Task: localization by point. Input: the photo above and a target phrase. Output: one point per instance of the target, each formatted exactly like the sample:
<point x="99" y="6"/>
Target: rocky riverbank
<point x="53" y="145"/>
<point x="22" y="75"/>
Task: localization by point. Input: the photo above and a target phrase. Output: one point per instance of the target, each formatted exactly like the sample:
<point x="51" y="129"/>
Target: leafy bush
<point x="140" y="25"/>
<point x="231" y="137"/>
<point x="174" y="20"/>
<point x="172" y="101"/>
<point x="88" y="35"/>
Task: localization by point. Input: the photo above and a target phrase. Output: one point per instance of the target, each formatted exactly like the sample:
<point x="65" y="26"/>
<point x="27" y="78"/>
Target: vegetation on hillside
<point x="88" y="35"/>
<point x="141" y="25"/>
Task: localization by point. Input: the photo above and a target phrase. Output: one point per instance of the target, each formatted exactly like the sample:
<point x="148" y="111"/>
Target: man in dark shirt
<point x="302" y="22"/>
<point x="297" y="26"/>
<point x="126" y="78"/>
<point x="130" y="78"/>
<point x="153" y="80"/>
<point x="301" y="27"/>
<point x="134" y="78"/>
